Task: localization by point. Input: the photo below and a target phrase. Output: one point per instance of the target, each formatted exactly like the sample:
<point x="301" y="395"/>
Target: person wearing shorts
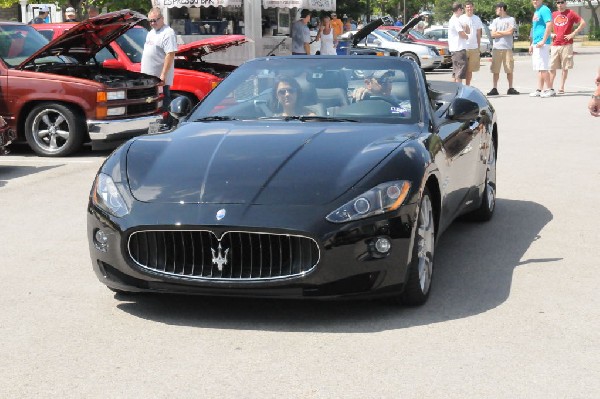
<point x="561" y="51"/>
<point x="473" y="41"/>
<point x="502" y="29"/>
<point x="457" y="43"/>
<point x="540" y="49"/>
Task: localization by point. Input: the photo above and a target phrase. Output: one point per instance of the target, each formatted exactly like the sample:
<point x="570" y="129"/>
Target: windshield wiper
<point x="216" y="118"/>
<point x="305" y="118"/>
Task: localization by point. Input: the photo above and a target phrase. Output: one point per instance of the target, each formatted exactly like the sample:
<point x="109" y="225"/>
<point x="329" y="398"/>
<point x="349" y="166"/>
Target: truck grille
<point x="134" y="109"/>
<point x="135" y="94"/>
<point x="236" y="256"/>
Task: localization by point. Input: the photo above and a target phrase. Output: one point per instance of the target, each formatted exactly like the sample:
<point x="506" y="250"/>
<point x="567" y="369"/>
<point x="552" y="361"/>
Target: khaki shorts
<point x="500" y="58"/>
<point x="561" y="57"/>
<point x="473" y="60"/>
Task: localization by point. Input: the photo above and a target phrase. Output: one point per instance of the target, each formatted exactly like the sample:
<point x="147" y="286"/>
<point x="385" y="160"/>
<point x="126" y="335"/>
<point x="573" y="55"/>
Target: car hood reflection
<point x="256" y="163"/>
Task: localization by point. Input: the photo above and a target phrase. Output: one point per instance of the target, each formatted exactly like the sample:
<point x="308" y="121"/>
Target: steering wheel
<point x="380" y="98"/>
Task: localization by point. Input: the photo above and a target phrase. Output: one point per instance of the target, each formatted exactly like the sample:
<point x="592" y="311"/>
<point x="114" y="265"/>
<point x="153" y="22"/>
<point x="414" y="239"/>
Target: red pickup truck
<point x="55" y="96"/>
<point x="194" y="77"/>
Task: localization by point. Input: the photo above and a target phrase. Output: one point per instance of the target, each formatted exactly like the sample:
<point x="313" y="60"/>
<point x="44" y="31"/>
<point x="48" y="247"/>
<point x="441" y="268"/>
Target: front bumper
<point x="121" y="129"/>
<point x="347" y="266"/>
<point x="431" y="61"/>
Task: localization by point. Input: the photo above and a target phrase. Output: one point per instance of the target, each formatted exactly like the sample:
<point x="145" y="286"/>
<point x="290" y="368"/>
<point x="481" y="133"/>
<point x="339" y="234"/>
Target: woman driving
<point x="287" y="98"/>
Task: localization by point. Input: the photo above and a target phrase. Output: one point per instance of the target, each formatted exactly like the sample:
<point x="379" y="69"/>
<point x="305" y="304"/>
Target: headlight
<point x="386" y="197"/>
<point x="106" y="196"/>
<point x="115" y="95"/>
<point x="115" y="111"/>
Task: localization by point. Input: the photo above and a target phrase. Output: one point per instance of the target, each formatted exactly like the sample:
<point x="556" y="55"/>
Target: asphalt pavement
<point x="513" y="313"/>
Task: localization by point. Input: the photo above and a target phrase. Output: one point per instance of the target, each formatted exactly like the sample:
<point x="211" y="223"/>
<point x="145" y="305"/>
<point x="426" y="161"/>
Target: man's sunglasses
<point x="154" y="20"/>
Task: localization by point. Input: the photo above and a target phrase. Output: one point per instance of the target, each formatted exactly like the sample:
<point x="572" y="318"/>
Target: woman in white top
<point x="326" y="36"/>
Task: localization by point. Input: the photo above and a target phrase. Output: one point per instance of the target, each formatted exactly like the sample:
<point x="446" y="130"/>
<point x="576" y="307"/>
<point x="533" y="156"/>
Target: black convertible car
<point x="316" y="177"/>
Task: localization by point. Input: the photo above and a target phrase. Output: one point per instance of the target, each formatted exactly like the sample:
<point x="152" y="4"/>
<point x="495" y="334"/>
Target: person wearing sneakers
<point x="561" y="51"/>
<point x="502" y="29"/>
<point x="540" y="49"/>
<point x="473" y="41"/>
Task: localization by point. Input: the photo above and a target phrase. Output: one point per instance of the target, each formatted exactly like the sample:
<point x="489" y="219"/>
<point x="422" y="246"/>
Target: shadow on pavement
<point x="9" y="172"/>
<point x="473" y="274"/>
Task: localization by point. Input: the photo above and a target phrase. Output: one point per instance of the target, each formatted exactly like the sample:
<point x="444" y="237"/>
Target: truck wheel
<point x="54" y="130"/>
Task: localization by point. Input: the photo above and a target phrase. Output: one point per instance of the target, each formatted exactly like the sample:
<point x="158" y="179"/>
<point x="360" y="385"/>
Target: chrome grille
<point x="134" y="94"/>
<point x="236" y="256"/>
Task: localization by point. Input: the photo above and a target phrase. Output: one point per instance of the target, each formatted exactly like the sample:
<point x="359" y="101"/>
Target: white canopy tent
<point x="196" y="3"/>
<point x="252" y="21"/>
<point x="326" y="5"/>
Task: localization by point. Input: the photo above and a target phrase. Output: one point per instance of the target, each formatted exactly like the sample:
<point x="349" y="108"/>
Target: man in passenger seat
<point x="377" y="84"/>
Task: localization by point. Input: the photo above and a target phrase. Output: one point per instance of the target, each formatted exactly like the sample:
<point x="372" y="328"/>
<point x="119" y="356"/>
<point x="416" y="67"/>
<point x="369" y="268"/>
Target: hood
<point x="245" y="163"/>
<point x="85" y="39"/>
<point x="370" y="27"/>
<point x="196" y="50"/>
<point x="411" y="24"/>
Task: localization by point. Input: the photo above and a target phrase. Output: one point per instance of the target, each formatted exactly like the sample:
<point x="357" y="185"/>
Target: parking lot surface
<point x="514" y="310"/>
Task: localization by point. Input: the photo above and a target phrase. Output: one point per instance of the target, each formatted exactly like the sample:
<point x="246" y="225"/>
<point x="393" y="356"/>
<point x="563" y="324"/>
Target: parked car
<point x="407" y="34"/>
<point x="55" y="99"/>
<point x="7" y="135"/>
<point x="322" y="201"/>
<point x="194" y="78"/>
<point x="427" y="57"/>
<point x="441" y="33"/>
<point x="350" y="44"/>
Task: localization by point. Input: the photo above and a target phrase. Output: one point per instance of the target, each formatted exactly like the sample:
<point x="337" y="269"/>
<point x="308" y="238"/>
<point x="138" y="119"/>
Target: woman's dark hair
<point x="293" y="83"/>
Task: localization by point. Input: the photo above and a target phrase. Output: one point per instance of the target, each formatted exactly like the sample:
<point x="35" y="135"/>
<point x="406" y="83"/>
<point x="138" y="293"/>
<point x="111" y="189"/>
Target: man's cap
<point x="501" y="5"/>
<point x="378" y="75"/>
<point x="44" y="9"/>
<point x="333" y="14"/>
<point x="70" y="11"/>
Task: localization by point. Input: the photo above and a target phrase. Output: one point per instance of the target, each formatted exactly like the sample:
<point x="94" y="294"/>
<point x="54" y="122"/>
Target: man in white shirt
<point x="474" y="40"/>
<point x="458" y="34"/>
<point x="158" y="57"/>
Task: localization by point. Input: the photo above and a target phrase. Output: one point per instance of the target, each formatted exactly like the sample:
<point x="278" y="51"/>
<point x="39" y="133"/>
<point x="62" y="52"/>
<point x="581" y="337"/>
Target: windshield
<point x="418" y="34"/>
<point x="349" y="88"/>
<point x="132" y="43"/>
<point x="19" y="42"/>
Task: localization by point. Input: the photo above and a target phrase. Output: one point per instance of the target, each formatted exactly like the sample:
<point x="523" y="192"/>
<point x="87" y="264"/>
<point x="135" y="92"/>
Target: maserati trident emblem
<point x="219" y="259"/>
<point x="221" y="214"/>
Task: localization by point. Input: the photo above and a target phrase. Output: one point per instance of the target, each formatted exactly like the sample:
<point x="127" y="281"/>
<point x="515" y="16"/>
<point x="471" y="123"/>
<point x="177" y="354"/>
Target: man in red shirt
<point x="561" y="52"/>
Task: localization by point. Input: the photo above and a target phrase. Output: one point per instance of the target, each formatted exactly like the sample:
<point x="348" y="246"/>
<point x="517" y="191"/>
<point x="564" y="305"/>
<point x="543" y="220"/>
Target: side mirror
<point x="113" y="64"/>
<point x="180" y="107"/>
<point x="461" y="109"/>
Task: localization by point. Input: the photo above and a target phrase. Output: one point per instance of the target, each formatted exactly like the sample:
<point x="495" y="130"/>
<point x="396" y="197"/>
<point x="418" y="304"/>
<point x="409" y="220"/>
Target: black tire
<point x="54" y="130"/>
<point x="488" y="197"/>
<point x="418" y="283"/>
<point x="411" y="56"/>
<point x="193" y="99"/>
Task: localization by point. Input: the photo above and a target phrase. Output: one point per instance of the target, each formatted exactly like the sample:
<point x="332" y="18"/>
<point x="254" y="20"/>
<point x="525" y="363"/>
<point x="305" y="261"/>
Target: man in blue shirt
<point x="301" y="34"/>
<point x="540" y="48"/>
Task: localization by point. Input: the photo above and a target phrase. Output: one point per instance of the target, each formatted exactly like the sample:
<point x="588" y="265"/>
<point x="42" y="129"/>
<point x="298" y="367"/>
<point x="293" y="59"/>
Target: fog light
<point x="101" y="240"/>
<point x="383" y="245"/>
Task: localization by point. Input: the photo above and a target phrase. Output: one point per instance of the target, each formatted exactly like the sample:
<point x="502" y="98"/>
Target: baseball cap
<point x="44" y="9"/>
<point x="333" y="14"/>
<point x="382" y="75"/>
<point x="70" y="11"/>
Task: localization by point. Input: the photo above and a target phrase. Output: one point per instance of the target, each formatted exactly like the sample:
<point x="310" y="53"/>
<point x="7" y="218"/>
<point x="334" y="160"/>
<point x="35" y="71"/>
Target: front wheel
<point x="418" y="283"/>
<point x="54" y="130"/>
<point x="412" y="57"/>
